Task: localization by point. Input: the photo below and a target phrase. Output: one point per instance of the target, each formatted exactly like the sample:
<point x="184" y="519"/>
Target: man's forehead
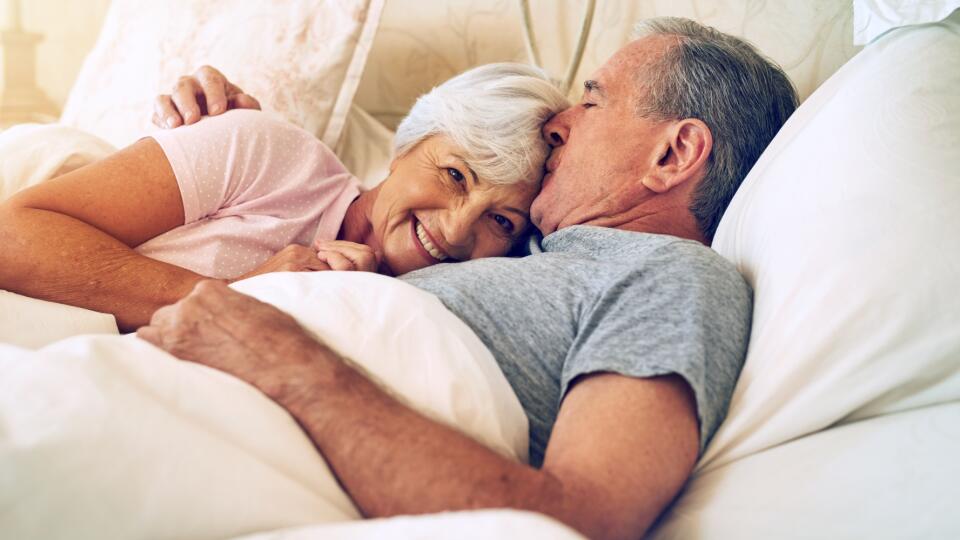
<point x="629" y="60"/>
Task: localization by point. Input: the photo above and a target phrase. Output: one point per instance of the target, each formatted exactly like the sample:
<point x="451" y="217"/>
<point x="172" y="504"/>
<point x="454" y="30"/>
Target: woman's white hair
<point x="494" y="113"/>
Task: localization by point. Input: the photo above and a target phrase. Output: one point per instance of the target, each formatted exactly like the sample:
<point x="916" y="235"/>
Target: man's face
<point x="602" y="148"/>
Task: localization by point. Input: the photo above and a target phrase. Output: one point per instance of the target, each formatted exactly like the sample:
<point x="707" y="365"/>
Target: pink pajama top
<point x="251" y="185"/>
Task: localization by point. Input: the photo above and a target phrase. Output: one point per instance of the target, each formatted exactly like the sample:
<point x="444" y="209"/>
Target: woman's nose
<point x="458" y="229"/>
<point x="556" y="130"/>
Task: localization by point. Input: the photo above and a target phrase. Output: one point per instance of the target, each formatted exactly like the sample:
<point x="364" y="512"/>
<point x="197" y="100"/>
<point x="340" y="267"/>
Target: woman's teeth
<point x="428" y="245"/>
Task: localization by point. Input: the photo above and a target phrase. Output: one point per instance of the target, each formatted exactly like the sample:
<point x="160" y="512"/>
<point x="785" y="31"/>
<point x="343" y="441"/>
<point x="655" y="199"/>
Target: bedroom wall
<point x="69" y="31"/>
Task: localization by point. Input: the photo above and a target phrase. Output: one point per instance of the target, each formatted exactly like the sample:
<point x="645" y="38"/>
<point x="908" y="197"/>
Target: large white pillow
<point x="871" y="18"/>
<point x="888" y="478"/>
<point x="847" y="231"/>
<point x="106" y="437"/>
<point x="301" y="58"/>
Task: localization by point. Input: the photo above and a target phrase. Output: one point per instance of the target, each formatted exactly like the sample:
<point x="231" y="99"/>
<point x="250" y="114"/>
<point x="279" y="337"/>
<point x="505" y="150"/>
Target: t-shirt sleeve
<point x="234" y="161"/>
<point x="685" y="311"/>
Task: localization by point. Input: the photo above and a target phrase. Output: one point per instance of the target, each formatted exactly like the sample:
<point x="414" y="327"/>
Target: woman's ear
<point x="684" y="156"/>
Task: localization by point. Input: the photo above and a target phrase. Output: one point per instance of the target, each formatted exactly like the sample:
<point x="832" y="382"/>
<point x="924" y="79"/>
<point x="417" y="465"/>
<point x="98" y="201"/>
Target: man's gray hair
<point x="494" y="113"/>
<point x="742" y="96"/>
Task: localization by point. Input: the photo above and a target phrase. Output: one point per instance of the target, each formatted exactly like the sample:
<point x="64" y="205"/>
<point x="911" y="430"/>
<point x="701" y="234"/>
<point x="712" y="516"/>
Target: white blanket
<point x="108" y="437"/>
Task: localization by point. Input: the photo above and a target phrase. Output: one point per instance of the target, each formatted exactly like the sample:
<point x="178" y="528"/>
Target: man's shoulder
<point x="647" y="254"/>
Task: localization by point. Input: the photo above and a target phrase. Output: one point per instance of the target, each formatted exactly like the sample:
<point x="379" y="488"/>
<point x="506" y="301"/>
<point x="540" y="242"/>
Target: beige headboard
<point x="420" y="44"/>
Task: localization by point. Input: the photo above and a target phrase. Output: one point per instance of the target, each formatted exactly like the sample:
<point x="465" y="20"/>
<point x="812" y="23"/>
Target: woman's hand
<point x="325" y="255"/>
<point x="293" y="258"/>
<point x="347" y="256"/>
<point x="207" y="91"/>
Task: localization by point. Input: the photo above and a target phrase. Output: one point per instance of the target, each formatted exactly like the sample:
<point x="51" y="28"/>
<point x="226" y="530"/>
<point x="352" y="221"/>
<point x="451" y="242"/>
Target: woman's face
<point x="433" y="208"/>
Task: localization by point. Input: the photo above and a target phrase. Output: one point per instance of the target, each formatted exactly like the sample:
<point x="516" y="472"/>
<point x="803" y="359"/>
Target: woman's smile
<point x="425" y="243"/>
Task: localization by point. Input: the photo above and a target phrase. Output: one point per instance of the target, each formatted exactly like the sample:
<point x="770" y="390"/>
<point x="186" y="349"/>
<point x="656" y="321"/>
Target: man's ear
<point x="684" y="155"/>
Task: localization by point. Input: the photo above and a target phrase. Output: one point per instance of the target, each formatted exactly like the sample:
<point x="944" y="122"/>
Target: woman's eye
<point x="504" y="222"/>
<point x="588" y="105"/>
<point x="455" y="174"/>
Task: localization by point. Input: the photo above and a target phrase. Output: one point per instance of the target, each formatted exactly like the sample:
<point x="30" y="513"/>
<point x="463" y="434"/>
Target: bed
<point x="846" y="419"/>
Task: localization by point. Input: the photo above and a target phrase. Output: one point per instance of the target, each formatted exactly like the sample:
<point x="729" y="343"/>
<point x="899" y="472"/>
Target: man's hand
<point x="237" y="334"/>
<point x="207" y="91"/>
<point x="293" y="258"/>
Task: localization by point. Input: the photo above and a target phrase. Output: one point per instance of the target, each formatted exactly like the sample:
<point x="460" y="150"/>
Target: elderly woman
<point x="242" y="194"/>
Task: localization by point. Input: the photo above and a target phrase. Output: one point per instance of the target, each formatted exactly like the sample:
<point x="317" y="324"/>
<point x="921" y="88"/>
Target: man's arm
<point x="620" y="451"/>
<point x="207" y="91"/>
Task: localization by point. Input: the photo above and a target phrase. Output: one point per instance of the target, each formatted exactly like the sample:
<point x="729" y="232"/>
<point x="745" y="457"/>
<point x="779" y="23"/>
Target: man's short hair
<point x="742" y="96"/>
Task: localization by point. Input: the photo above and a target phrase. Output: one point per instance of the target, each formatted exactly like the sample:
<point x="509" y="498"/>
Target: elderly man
<point x="621" y="333"/>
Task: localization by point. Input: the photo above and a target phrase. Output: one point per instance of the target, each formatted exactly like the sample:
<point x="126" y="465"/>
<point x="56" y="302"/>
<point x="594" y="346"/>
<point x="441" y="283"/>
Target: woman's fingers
<point x="186" y="99"/>
<point x="336" y="260"/>
<point x="362" y="257"/>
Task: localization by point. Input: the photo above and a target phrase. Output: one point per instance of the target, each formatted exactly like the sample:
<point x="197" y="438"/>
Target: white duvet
<point x="108" y="437"/>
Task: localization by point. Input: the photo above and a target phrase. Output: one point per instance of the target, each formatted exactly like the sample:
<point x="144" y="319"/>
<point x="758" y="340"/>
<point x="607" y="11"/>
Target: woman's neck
<point x="356" y="226"/>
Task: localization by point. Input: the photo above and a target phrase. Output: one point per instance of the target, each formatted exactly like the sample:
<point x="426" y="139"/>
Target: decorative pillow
<point x="301" y="58"/>
<point x="871" y="18"/>
<point x="847" y="229"/>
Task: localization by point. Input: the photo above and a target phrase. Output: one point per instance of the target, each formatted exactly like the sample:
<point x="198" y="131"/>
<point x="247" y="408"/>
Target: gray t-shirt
<point x="591" y="299"/>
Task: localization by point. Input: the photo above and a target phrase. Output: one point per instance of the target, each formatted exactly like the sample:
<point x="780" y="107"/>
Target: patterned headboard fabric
<point x="421" y="44"/>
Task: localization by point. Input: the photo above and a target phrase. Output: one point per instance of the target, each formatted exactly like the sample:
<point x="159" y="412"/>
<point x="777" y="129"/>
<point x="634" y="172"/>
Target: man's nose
<point x="556" y="130"/>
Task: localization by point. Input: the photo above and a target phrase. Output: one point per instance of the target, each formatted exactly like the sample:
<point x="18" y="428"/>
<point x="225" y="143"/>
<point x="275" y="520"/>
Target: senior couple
<point x="621" y="333"/>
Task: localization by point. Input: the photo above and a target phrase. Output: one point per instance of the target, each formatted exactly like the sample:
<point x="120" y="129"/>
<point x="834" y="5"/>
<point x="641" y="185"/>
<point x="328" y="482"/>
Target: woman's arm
<point x="70" y="239"/>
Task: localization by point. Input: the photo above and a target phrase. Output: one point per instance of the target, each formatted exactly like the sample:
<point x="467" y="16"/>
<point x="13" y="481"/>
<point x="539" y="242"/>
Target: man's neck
<point x="655" y="218"/>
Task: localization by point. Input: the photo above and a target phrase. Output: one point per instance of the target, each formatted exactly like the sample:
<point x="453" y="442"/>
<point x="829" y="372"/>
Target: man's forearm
<point x="55" y="257"/>
<point x="385" y="453"/>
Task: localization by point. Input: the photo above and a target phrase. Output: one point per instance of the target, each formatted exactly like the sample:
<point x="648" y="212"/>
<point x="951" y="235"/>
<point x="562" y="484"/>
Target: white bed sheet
<point x="474" y="525"/>
<point x="117" y="439"/>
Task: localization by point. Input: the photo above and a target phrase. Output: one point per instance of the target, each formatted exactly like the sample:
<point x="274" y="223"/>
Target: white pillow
<point x="108" y="437"/>
<point x="844" y="421"/>
<point x="871" y="18"/>
<point x="301" y="58"/>
<point x="847" y="229"/>
<point x="31" y="323"/>
<point x="888" y="478"/>
<point x="32" y="153"/>
<point x="366" y="148"/>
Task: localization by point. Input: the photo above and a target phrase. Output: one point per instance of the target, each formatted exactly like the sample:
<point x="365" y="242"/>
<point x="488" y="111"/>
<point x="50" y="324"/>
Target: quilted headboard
<point x="423" y="43"/>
